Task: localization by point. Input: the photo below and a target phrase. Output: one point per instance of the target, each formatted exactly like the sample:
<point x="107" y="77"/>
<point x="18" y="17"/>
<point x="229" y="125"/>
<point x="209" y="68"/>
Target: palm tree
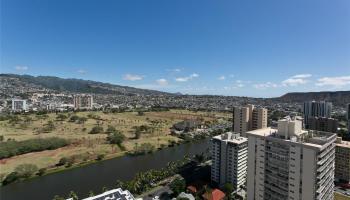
<point x="91" y="193"/>
<point x="73" y="195"/>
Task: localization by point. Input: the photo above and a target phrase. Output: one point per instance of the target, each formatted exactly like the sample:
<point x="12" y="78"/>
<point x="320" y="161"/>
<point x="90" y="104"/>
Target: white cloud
<point x="336" y="82"/>
<point x="236" y="85"/>
<point x="296" y="80"/>
<point x="132" y="77"/>
<point x="176" y="70"/>
<point x="162" y="82"/>
<point x="265" y="85"/>
<point x="194" y="75"/>
<point x="240" y="85"/>
<point x="221" y="78"/>
<point x="21" y="68"/>
<point x="81" y="71"/>
<point x="302" y="76"/>
<point x="187" y="78"/>
<point x="182" y="79"/>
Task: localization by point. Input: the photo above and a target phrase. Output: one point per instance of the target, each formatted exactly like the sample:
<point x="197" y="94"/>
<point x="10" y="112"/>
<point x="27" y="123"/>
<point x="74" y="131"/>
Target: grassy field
<point x="87" y="145"/>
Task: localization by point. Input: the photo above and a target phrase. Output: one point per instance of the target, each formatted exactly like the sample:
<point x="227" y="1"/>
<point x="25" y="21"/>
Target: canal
<point x="98" y="175"/>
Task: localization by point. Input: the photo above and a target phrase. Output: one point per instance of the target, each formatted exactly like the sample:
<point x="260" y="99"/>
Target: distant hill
<point x="70" y="85"/>
<point x="19" y="85"/>
<point x="337" y="97"/>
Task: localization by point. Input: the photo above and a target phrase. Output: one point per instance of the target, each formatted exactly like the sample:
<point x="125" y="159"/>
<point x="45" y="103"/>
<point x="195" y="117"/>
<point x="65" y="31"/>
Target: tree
<point x="96" y="130"/>
<point x="116" y="138"/>
<point x="199" y="158"/>
<point x="12" y="177"/>
<point x="120" y="184"/>
<point x="56" y="197"/>
<point x="137" y="133"/>
<point x="177" y="186"/>
<point x="228" y="189"/>
<point x="73" y="195"/>
<point x="82" y="120"/>
<point x="73" y="118"/>
<point x="1" y="138"/>
<point x="62" y="161"/>
<point x="104" y="189"/>
<point x="100" y="157"/>
<point x="41" y="171"/>
<point x="91" y="193"/>
<point x="12" y="148"/>
<point x="26" y="170"/>
<point x="61" y="117"/>
<point x="50" y="126"/>
<point x="110" y="129"/>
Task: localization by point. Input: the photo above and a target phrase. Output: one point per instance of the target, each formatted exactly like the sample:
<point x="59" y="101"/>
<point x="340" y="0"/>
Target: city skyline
<point x="238" y="49"/>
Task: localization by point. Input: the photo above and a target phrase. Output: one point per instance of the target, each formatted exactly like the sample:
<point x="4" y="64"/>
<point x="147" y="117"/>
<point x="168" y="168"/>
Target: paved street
<point x="162" y="192"/>
<point x="342" y="191"/>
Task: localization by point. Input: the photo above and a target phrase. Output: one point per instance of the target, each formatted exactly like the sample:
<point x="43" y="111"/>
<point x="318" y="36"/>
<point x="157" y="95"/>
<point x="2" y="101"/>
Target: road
<point x="342" y="191"/>
<point x="163" y="192"/>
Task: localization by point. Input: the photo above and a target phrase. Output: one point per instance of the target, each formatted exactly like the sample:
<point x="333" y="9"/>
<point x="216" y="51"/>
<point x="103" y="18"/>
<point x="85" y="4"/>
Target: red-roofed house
<point x="215" y="194"/>
<point x="192" y="189"/>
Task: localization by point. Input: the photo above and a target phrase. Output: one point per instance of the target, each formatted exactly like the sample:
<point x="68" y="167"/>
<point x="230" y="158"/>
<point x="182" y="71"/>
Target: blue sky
<point x="236" y="47"/>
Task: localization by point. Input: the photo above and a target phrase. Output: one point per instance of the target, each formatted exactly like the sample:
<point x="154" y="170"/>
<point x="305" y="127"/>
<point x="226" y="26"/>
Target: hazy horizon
<point x="180" y="92"/>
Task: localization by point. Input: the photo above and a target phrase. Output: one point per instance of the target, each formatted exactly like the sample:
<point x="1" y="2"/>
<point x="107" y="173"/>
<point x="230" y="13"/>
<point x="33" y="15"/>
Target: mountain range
<point x="14" y="83"/>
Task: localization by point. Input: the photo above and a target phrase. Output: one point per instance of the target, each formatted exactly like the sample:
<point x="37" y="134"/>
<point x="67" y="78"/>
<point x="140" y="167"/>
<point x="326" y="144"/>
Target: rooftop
<point x="115" y="194"/>
<point x="290" y="130"/>
<point x="231" y="137"/>
<point x="341" y="143"/>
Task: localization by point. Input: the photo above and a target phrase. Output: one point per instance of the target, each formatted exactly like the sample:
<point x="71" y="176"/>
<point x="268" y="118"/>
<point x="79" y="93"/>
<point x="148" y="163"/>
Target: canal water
<point x="98" y="175"/>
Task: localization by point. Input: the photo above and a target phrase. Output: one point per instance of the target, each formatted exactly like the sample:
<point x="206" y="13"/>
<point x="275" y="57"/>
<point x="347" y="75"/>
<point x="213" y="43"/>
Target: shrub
<point x="26" y="170"/>
<point x="100" y="157"/>
<point x="73" y="118"/>
<point x="177" y="186"/>
<point x="62" y="161"/>
<point x="61" y="117"/>
<point x="41" y="171"/>
<point x="11" y="148"/>
<point x="82" y="120"/>
<point x="12" y="177"/>
<point x="143" y="149"/>
<point x="96" y="130"/>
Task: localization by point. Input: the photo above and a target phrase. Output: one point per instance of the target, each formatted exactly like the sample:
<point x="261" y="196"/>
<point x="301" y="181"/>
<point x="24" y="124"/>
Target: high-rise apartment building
<point x="248" y="118"/>
<point x="83" y="102"/>
<point x="19" y="105"/>
<point x="342" y="161"/>
<point x="229" y="159"/>
<point x="316" y="109"/>
<point x="323" y="124"/>
<point x="290" y="163"/>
